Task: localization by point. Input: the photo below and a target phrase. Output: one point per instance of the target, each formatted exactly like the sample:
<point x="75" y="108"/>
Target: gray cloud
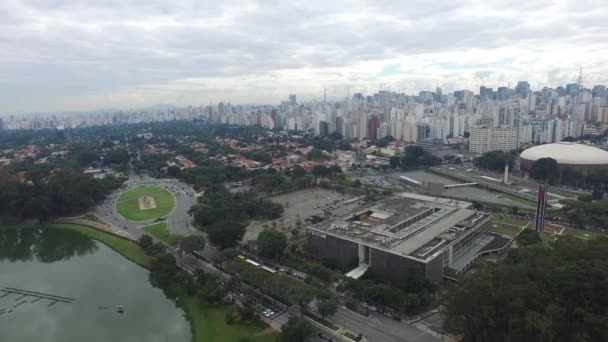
<point x="88" y="54"/>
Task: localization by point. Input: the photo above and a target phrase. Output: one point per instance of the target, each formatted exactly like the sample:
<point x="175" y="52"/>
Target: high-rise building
<point x="340" y="125"/>
<point x="323" y="128"/>
<point x="372" y="127"/>
<point x="523" y="88"/>
<point x="484" y="139"/>
<point x="503" y="93"/>
<point x="292" y="99"/>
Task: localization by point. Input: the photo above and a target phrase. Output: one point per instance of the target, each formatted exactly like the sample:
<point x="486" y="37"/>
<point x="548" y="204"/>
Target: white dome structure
<point x="565" y="153"/>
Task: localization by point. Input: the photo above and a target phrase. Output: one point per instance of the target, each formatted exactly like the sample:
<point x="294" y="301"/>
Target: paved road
<point x="380" y="328"/>
<point x="178" y="221"/>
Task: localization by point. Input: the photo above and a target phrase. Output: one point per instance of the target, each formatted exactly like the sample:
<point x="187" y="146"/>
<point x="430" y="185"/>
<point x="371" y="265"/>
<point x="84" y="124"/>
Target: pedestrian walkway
<point x="426" y="327"/>
<point x="282" y="318"/>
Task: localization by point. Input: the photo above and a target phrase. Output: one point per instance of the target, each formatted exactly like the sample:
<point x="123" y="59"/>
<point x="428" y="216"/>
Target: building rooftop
<point x="405" y="224"/>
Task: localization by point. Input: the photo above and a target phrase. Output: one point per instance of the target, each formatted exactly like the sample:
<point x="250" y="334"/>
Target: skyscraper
<point x="323" y="128"/>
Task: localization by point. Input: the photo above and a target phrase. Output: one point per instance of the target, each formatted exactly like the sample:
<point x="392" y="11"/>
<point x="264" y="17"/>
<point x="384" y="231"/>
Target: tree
<point x="538" y="293"/>
<point x="335" y="136"/>
<point x="163" y="271"/>
<point x="394" y="162"/>
<point x="225" y="234"/>
<point x="192" y="243"/>
<point x="298" y="172"/>
<point x="271" y="244"/>
<point x="315" y="154"/>
<point x="597" y="194"/>
<point x="296" y="330"/>
<point x="545" y="169"/>
<point x="145" y="241"/>
<point x="320" y="171"/>
<point x="528" y="237"/>
<point x="227" y="255"/>
<point x="381" y="143"/>
<point x="477" y="205"/>
<point x="357" y="183"/>
<point x="327" y="307"/>
<point x="514" y="210"/>
<point x="117" y="156"/>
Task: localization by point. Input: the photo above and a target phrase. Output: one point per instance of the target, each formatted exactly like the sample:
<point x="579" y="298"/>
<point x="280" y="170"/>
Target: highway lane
<point x="381" y="329"/>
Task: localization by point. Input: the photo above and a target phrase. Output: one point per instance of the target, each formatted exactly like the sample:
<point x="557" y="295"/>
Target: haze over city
<point x="78" y="55"/>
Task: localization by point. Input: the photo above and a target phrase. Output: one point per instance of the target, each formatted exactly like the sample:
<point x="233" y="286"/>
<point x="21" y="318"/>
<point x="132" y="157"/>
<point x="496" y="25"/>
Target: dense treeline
<point x="582" y="214"/>
<point x="223" y="215"/>
<point x="495" y="160"/>
<point x="414" y="294"/>
<point x="548" y="169"/>
<point x="44" y="196"/>
<point x="283" y="287"/>
<point x="414" y="157"/>
<point x="538" y="293"/>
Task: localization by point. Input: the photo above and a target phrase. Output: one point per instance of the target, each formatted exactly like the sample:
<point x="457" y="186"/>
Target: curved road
<point x="178" y="220"/>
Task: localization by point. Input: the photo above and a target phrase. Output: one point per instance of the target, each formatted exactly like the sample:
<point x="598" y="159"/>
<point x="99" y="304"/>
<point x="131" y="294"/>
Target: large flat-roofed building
<point x="403" y="234"/>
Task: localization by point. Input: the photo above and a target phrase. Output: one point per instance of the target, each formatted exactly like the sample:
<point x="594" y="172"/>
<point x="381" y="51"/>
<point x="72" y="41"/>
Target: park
<point x="145" y="203"/>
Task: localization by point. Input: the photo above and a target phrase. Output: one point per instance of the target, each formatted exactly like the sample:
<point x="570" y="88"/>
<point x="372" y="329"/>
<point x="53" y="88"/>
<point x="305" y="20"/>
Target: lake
<point x="65" y="263"/>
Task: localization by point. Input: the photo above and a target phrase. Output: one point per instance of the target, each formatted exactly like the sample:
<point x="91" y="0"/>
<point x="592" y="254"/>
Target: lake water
<point x="68" y="264"/>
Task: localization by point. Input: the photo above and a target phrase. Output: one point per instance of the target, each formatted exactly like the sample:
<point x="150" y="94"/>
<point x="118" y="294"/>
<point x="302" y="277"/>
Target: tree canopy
<point x="538" y="293"/>
<point x="296" y="330"/>
<point x="495" y="160"/>
<point x="225" y="234"/>
<point x="271" y="244"/>
<point x="545" y="169"/>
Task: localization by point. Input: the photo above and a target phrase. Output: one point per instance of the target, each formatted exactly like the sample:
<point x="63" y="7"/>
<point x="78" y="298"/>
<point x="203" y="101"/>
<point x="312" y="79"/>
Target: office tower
<point x="523" y="88"/>
<point x="323" y="128"/>
<point x="372" y="127"/>
<point x="292" y="99"/>
<point x="503" y="93"/>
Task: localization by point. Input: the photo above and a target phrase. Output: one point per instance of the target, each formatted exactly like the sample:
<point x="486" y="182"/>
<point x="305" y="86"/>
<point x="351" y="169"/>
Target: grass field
<point x="208" y="324"/>
<point x="127" y="248"/>
<point x="511" y="220"/>
<point x="504" y="228"/>
<point x="128" y="205"/>
<point x="161" y="231"/>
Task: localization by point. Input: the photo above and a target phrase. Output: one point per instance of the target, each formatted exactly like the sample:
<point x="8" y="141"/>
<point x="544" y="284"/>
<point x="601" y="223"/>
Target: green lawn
<point x="585" y="234"/>
<point x="128" y="205"/>
<point x="503" y="228"/>
<point x="161" y="231"/>
<point x="208" y="324"/>
<point x="511" y="220"/>
<point x="127" y="248"/>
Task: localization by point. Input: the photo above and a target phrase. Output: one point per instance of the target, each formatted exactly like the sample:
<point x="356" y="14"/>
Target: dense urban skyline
<point x="74" y="56"/>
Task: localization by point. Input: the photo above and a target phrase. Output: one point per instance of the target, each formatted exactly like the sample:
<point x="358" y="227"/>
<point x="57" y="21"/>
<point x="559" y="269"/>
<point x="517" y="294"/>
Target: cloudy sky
<point x="63" y="55"/>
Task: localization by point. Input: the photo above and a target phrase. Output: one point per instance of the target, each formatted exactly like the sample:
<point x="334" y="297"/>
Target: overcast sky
<point x="58" y="55"/>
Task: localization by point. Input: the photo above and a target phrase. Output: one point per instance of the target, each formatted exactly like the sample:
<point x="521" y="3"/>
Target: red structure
<point x="372" y="128"/>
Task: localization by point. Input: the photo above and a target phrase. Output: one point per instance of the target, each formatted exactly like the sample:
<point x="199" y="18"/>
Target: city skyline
<point x="320" y="98"/>
<point x="71" y="56"/>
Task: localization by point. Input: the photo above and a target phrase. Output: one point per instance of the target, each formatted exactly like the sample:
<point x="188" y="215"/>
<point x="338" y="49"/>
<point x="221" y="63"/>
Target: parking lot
<point x="300" y="205"/>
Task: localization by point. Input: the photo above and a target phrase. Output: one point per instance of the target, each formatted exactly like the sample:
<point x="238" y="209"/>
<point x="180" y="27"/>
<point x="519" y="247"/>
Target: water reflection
<point x="42" y="244"/>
